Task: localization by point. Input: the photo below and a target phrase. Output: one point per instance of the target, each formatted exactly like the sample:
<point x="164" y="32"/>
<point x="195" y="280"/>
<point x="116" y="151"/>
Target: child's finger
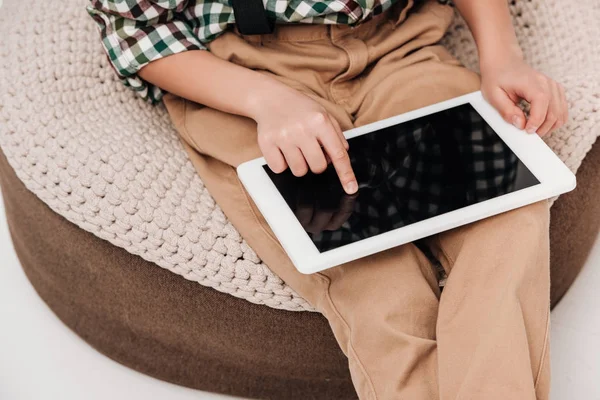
<point x="539" y="99"/>
<point x="295" y="159"/>
<point x="273" y="156"/>
<point x="338" y="129"/>
<point x="313" y="154"/>
<point x="506" y="107"/>
<point x="340" y="159"/>
<point x="547" y="125"/>
<point x="555" y="110"/>
<point x="554" y="118"/>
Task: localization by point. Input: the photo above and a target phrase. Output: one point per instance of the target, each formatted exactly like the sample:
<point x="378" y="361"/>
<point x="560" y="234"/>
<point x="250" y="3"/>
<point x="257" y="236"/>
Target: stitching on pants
<point x="350" y="344"/>
<point x="308" y="38"/>
<point x="547" y="332"/>
<point x="451" y="260"/>
<point x="544" y="351"/>
<point x="185" y="129"/>
<point x="332" y="89"/>
<point x="357" y="62"/>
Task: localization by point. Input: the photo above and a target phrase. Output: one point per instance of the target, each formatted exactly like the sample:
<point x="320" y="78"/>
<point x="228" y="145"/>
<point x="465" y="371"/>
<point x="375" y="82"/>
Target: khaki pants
<point x="486" y="337"/>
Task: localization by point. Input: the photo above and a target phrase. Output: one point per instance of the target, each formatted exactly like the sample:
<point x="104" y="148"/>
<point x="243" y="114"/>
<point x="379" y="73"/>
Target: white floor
<point x="41" y="359"/>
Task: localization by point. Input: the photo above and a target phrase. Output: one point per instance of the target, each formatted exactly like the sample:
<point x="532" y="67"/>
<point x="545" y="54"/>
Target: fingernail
<point x="351" y="187"/>
<point x="532" y="129"/>
<point x="516" y="121"/>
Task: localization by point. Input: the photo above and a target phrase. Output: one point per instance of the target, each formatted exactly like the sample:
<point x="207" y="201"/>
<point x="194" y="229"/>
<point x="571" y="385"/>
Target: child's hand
<point x="291" y="130"/>
<point x="506" y="81"/>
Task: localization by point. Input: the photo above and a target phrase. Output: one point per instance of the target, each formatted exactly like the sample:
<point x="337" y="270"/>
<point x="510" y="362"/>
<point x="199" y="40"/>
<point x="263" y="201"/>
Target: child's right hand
<point x="291" y="130"/>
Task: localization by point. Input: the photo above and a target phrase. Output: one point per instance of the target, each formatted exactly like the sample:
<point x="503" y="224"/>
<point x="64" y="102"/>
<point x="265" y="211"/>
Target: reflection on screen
<point x="406" y="173"/>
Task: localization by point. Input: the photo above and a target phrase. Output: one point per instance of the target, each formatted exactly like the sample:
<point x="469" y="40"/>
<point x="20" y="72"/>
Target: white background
<point x="42" y="359"/>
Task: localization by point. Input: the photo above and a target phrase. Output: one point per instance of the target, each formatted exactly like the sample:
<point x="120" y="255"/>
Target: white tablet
<point x="419" y="174"/>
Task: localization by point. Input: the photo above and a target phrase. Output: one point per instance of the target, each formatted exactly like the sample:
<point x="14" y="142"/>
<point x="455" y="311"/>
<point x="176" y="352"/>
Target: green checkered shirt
<point x="137" y="32"/>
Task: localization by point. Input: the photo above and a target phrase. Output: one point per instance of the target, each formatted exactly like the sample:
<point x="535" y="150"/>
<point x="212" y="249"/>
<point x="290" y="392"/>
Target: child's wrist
<point x="254" y="102"/>
<point x="258" y="100"/>
<point x="493" y="56"/>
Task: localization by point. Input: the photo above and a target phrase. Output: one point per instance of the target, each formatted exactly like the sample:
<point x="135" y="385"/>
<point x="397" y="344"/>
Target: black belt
<point x="251" y="17"/>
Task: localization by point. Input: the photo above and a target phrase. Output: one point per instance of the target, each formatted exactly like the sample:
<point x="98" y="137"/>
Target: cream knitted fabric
<point x="111" y="164"/>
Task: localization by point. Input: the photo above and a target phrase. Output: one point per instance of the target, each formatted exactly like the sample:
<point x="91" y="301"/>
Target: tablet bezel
<point x="554" y="176"/>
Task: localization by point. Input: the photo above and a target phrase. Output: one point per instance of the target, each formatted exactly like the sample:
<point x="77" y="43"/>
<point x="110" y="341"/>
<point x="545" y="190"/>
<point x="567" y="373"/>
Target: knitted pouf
<point x="111" y="164"/>
<point x="90" y="164"/>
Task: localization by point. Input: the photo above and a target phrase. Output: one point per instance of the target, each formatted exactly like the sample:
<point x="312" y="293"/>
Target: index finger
<point x="537" y="113"/>
<point x="339" y="158"/>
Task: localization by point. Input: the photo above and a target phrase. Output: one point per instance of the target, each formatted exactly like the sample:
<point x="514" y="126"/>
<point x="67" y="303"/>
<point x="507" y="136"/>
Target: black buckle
<point x="251" y="17"/>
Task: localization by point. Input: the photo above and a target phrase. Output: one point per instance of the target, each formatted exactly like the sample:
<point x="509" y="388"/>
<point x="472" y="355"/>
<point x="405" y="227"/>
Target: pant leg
<point x="382" y="308"/>
<point x="492" y="329"/>
<point x="494" y="312"/>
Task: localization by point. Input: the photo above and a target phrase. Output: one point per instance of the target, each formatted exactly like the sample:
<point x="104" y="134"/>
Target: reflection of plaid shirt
<point x="136" y="32"/>
<point x="423" y="170"/>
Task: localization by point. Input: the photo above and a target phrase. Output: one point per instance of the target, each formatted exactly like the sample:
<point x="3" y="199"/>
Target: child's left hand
<point x="505" y="82"/>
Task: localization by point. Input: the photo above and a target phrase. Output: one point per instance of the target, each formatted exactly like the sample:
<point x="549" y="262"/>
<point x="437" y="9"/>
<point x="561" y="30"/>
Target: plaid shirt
<point x="406" y="174"/>
<point x="136" y="32"/>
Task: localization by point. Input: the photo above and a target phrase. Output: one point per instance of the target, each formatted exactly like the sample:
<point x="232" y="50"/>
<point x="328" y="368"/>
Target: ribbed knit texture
<point x="112" y="164"/>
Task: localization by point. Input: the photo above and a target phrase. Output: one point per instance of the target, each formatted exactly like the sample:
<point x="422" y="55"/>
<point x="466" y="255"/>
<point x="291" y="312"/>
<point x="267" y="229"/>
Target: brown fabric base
<point x="574" y="226"/>
<point x="162" y="325"/>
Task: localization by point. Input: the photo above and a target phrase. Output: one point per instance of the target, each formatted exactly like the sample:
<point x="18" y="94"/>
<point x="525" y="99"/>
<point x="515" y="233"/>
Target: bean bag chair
<point x="120" y="237"/>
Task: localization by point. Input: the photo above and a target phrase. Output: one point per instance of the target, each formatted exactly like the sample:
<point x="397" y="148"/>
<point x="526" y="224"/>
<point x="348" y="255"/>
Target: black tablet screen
<point x="406" y="173"/>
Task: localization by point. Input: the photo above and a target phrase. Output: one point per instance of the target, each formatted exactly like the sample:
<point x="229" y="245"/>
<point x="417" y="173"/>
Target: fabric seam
<point x="452" y="260"/>
<point x="185" y="128"/>
<point x="350" y="343"/>
<point x="544" y="351"/>
<point x="547" y="332"/>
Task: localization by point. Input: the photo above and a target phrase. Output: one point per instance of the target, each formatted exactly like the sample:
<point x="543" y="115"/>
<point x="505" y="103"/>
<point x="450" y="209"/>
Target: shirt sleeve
<point x="137" y="32"/>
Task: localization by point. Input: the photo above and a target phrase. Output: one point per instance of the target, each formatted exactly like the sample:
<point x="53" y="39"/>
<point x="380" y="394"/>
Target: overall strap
<point x="251" y="17"/>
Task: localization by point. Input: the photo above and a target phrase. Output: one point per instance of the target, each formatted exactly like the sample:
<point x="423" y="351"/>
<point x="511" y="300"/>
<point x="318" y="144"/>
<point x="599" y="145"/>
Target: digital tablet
<point x="419" y="173"/>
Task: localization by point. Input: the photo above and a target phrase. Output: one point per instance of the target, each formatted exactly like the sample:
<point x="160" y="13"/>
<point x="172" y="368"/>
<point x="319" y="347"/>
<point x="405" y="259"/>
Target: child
<point x="330" y="65"/>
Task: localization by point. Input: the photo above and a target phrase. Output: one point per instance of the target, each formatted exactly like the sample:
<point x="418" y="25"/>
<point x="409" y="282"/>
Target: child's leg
<point x="494" y="312"/>
<point x="493" y="323"/>
<point x="493" y="317"/>
<point x="382" y="308"/>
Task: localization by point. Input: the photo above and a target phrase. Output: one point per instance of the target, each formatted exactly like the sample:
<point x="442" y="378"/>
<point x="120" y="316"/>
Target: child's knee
<point x="531" y="220"/>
